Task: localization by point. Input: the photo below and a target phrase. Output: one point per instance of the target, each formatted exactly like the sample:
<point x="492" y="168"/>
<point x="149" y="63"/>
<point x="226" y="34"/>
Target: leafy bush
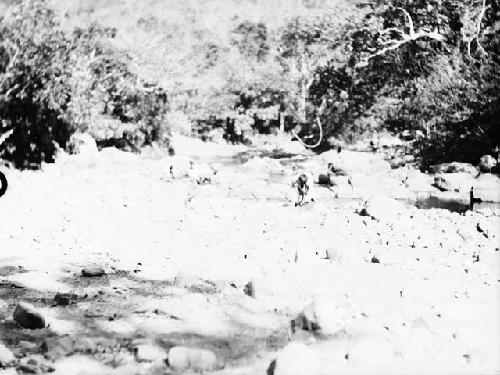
<point x="34" y="93"/>
<point x="53" y="83"/>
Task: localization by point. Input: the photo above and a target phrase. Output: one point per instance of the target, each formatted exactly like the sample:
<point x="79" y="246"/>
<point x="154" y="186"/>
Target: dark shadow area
<point x="100" y="301"/>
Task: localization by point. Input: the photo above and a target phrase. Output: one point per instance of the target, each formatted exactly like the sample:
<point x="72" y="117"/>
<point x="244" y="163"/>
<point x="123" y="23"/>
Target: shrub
<point x="53" y="83"/>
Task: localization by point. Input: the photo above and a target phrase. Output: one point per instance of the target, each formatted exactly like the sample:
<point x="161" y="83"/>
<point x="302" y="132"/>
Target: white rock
<point x="383" y="207"/>
<point x="6" y="356"/>
<point x="321" y="315"/>
<point x="487" y="187"/>
<point x="460" y="182"/>
<point x="487" y="163"/>
<point x="148" y="353"/>
<point x="181" y="358"/>
<point x="297" y="359"/>
<point x="454" y="167"/>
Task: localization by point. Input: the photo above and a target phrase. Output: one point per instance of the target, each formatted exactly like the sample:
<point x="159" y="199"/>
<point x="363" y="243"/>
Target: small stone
<point x="6" y="356"/>
<point x="93" y="271"/>
<point x="181" y="358"/>
<point x="65" y="299"/>
<point x="148" y="353"/>
<point x="27" y="317"/>
<point x="250" y="289"/>
<point x="375" y="260"/>
<point x="296" y="359"/>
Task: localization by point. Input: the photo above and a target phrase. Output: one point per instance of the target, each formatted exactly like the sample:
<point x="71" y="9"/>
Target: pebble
<point x="27" y="316"/>
<point x="181" y="358"/>
<point x="295" y="359"/>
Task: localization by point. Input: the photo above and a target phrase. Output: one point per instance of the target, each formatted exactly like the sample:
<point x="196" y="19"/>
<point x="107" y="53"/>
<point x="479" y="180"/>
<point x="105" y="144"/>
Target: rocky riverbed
<point x="136" y="272"/>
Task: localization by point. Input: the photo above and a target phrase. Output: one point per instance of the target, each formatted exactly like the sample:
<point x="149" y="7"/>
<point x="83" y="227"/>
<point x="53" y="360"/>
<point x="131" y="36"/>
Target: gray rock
<point x="397" y="162"/>
<point x="64" y="299"/>
<point x="408" y="158"/>
<point x="93" y="271"/>
<point x="27" y="316"/>
<point x="29" y="369"/>
<point x="250" y="289"/>
<point x="454" y="167"/>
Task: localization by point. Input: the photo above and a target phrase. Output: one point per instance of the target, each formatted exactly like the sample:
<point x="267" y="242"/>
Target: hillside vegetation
<point x="426" y="68"/>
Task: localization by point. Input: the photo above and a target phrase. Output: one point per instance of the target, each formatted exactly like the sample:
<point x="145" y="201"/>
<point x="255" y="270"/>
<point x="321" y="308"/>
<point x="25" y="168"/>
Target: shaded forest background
<point x="129" y="73"/>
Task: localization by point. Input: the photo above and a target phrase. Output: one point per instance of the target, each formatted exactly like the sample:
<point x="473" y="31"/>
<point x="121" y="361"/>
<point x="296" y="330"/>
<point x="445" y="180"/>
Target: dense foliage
<point x="427" y="67"/>
<point x="54" y="83"/>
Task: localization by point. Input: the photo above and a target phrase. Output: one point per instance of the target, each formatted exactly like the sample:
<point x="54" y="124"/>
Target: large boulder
<point x="181" y="358"/>
<point x="350" y="162"/>
<point x="382" y="207"/>
<point x="27" y="316"/>
<point x="487" y="187"/>
<point x="454" y="167"/>
<point x="459" y="182"/>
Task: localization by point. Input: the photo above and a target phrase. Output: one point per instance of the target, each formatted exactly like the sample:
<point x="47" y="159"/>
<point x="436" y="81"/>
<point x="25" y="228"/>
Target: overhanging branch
<point x="393" y="44"/>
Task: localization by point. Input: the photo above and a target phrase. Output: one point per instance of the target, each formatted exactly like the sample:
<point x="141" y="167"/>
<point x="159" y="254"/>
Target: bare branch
<point x="320" y="110"/>
<point x="320" y="136"/>
<point x="405" y="38"/>
<point x="12" y="60"/>
<point x="410" y="21"/>
<point x="477" y="34"/>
